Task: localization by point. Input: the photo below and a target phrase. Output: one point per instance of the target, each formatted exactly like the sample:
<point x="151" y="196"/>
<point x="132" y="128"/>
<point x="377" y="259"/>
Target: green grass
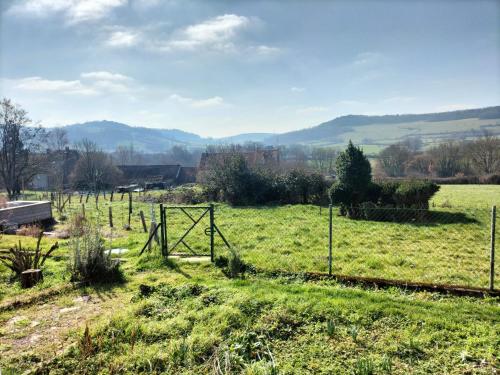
<point x="208" y="324"/>
<point x="198" y="321"/>
<point x="295" y="239"/>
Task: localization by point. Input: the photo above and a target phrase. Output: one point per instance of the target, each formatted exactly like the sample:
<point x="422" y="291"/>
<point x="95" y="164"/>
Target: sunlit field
<point x="198" y="321"/>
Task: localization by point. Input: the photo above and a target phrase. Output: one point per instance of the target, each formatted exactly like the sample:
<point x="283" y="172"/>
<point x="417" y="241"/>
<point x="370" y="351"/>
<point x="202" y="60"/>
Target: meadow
<point x="188" y="317"/>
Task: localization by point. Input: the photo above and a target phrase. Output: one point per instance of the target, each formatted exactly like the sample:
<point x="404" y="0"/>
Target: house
<point x="157" y="176"/>
<point x="56" y="172"/>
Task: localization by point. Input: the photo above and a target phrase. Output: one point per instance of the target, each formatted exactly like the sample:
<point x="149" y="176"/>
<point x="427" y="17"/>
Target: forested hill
<point x="330" y="130"/>
<point x="367" y="130"/>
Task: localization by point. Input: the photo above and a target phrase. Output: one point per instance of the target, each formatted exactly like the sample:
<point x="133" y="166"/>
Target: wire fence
<point x="428" y="246"/>
<point x="439" y="245"/>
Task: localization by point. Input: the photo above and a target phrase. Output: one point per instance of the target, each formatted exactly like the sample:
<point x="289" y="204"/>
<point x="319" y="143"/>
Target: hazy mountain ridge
<point x="110" y="134"/>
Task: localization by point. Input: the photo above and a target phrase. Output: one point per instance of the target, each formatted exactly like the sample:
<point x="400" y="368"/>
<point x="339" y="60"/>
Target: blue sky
<point x="221" y="68"/>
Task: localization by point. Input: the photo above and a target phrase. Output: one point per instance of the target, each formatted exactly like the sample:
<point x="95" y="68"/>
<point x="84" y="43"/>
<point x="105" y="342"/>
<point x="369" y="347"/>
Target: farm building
<point x="157" y="176"/>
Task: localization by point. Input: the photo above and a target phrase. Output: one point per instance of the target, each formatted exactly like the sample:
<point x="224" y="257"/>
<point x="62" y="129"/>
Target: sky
<point x="220" y="68"/>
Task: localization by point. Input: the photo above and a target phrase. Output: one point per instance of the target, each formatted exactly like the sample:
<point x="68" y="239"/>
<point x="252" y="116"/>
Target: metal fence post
<point x="330" y="239"/>
<point x="164" y="220"/>
<point x="492" y="250"/>
<point x="162" y="231"/>
<point x="211" y="232"/>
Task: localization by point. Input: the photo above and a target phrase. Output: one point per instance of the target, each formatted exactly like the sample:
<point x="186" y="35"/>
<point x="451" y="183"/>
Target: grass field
<point x="375" y="137"/>
<point x="198" y="321"/>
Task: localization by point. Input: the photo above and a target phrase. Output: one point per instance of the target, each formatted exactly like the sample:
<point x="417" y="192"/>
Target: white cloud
<point x="75" y="11"/>
<point x="198" y="103"/>
<point x="264" y="50"/>
<point x="367" y="58"/>
<point x="125" y="38"/>
<point x="91" y="83"/>
<point x="106" y="76"/>
<point x="312" y="109"/>
<point x="216" y="33"/>
<point x="297" y="89"/>
<point x="45" y="85"/>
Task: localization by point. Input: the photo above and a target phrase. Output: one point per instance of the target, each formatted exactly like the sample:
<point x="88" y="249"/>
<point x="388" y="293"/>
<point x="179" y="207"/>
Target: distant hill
<point x="373" y="132"/>
<point x="109" y="134"/>
<point x="376" y="127"/>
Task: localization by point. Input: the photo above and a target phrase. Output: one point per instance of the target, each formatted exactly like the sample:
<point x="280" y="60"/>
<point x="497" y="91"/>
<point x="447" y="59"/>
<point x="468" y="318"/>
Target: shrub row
<point x="491" y="179"/>
<point x="401" y="194"/>
<point x="232" y="181"/>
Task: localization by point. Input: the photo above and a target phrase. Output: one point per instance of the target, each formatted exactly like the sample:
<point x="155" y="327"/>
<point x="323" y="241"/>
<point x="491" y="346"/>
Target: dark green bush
<point x="231" y="180"/>
<point x="407" y="194"/>
<point x="354" y="181"/>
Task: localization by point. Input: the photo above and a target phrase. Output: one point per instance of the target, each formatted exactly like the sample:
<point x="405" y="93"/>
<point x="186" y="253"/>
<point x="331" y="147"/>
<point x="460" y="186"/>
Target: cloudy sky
<point x="220" y="68"/>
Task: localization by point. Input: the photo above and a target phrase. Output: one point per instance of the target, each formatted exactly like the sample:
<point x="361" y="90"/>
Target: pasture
<point x="195" y="320"/>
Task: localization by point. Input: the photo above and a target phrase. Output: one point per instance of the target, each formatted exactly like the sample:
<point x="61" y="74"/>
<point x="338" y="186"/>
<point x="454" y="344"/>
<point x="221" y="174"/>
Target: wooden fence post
<point x="492" y="249"/>
<point x="110" y="217"/>
<point x="330" y="234"/>
<point x="111" y="197"/>
<point x="129" y="207"/>
<point x="83" y="209"/>
<point x="212" y="232"/>
<point x="141" y="214"/>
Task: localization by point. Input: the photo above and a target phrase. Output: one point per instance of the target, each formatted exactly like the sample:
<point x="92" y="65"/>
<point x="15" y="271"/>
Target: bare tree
<point x="394" y="159"/>
<point x="447" y="158"/>
<point x="127" y="155"/>
<point x="94" y="170"/>
<point x="19" y="145"/>
<point x="484" y="154"/>
<point x="323" y="159"/>
<point x="58" y="139"/>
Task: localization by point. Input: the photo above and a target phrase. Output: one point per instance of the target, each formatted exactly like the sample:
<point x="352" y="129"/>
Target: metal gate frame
<point x="163" y="225"/>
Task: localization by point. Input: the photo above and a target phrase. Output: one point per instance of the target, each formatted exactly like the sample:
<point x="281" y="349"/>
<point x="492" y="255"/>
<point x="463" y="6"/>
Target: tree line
<point x="27" y="150"/>
<point x="476" y="157"/>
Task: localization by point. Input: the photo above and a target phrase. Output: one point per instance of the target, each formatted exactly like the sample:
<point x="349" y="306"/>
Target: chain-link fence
<point x="413" y="245"/>
<point x="439" y="245"/>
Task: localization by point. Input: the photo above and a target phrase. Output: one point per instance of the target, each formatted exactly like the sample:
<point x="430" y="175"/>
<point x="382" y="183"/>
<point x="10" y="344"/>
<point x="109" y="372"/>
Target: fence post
<point x="129" y="207"/>
<point x="492" y="250"/>
<point x="110" y="217"/>
<point x="143" y="220"/>
<point x="211" y="232"/>
<point x="164" y="220"/>
<point x="162" y="231"/>
<point x="330" y="239"/>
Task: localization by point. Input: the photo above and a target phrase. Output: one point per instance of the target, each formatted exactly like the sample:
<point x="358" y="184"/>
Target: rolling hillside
<point x="373" y="132"/>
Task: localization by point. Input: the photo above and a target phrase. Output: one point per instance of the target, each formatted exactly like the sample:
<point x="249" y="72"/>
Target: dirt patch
<point x="41" y="331"/>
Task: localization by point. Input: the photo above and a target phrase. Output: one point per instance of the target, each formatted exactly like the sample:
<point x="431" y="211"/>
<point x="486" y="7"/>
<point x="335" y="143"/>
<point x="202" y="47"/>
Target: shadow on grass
<point x="151" y="262"/>
<point x="416" y="217"/>
<point x="102" y="289"/>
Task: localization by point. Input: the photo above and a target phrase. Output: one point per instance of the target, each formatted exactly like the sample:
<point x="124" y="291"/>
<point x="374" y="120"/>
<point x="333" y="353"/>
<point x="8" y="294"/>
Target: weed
<point x="386" y="365"/>
<point x="364" y="366"/>
<point x="89" y="261"/>
<point x="21" y="259"/>
<point x="331" y="327"/>
<point x="353" y="331"/>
